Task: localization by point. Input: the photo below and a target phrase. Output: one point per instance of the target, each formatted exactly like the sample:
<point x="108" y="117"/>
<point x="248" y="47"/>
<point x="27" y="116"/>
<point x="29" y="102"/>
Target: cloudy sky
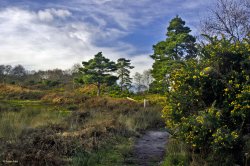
<point x="47" y="34"/>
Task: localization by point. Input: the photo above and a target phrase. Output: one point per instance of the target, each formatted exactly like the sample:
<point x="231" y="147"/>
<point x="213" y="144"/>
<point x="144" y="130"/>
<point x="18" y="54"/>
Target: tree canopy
<point x="98" y="71"/>
<point x="123" y="71"/>
<point x="178" y="46"/>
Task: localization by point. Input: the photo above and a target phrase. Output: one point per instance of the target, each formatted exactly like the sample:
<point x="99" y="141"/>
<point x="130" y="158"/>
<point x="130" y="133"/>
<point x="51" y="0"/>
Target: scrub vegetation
<point x="81" y="131"/>
<point x="92" y="113"/>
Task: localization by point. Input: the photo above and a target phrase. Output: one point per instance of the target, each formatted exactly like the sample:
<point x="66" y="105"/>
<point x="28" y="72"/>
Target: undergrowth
<point x="177" y="153"/>
<point x="100" y="132"/>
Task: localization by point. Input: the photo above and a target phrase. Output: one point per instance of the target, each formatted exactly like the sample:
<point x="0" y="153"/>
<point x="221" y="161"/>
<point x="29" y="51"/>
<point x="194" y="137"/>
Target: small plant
<point x="177" y="154"/>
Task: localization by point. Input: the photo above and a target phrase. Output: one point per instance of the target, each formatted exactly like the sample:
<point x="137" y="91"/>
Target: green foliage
<point x="98" y="71"/>
<point x="177" y="153"/>
<point x="115" y="91"/>
<point x="123" y="66"/>
<point x="155" y="99"/>
<point x="178" y="46"/>
<point x="51" y="83"/>
<point x="208" y="101"/>
<point x="179" y="43"/>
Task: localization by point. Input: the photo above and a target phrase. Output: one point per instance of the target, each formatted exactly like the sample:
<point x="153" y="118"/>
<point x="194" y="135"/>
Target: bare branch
<point x="230" y="17"/>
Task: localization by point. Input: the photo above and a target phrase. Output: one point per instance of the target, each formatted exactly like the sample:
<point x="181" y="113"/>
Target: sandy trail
<point x="150" y="148"/>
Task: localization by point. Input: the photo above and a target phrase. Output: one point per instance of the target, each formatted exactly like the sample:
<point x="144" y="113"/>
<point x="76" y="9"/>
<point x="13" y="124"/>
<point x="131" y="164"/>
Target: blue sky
<point x="46" y="34"/>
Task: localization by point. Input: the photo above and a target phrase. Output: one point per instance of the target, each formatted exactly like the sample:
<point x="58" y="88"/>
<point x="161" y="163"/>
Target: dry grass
<point x="178" y="153"/>
<point x="6" y="88"/>
<point x="96" y="125"/>
<point x="18" y="92"/>
<point x="12" y="123"/>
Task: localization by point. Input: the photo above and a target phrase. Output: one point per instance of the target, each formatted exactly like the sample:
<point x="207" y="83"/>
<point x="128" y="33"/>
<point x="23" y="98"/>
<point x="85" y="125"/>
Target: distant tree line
<point x="42" y="78"/>
<point x="99" y="71"/>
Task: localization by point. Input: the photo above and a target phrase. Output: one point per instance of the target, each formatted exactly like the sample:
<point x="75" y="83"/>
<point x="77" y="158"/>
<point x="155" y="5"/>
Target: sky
<point x="49" y="34"/>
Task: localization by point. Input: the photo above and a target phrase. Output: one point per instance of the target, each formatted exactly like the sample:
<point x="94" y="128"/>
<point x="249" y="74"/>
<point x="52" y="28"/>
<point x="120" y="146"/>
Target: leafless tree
<point x="75" y="68"/>
<point x="229" y="17"/>
<point x="147" y="78"/>
<point x="138" y="81"/>
<point x="18" y="71"/>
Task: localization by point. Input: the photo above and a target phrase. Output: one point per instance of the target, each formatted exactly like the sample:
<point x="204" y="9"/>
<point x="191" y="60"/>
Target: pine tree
<point x="178" y="46"/>
<point x="98" y="71"/>
<point x="124" y="66"/>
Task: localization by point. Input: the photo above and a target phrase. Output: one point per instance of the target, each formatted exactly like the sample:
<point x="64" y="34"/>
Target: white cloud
<point x="45" y="15"/>
<point x="126" y="14"/>
<point x="39" y="45"/>
<point x="61" y="34"/>
<point x="49" y="14"/>
<point x="141" y="63"/>
<point x="61" y="13"/>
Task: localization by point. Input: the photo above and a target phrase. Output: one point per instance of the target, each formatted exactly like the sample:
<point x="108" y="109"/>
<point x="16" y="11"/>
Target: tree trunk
<point x="121" y="86"/>
<point x="98" y="89"/>
<point x="122" y="81"/>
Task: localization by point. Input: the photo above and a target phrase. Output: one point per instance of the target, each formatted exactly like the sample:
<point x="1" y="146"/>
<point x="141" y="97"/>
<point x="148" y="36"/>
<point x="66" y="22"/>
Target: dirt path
<point x="150" y="148"/>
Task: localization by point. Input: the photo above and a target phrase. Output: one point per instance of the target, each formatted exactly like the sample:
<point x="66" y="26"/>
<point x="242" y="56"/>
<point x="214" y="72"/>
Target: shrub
<point x="208" y="101"/>
<point x="93" y="132"/>
<point x="41" y="146"/>
<point x="18" y="92"/>
<point x="64" y="98"/>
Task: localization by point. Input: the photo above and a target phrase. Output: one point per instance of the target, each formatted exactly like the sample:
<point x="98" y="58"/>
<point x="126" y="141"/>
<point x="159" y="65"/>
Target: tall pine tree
<point x="178" y="46"/>
<point x="123" y="71"/>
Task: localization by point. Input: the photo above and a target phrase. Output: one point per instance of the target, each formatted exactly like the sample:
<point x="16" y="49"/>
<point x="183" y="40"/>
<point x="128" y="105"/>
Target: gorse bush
<point x="208" y="101"/>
